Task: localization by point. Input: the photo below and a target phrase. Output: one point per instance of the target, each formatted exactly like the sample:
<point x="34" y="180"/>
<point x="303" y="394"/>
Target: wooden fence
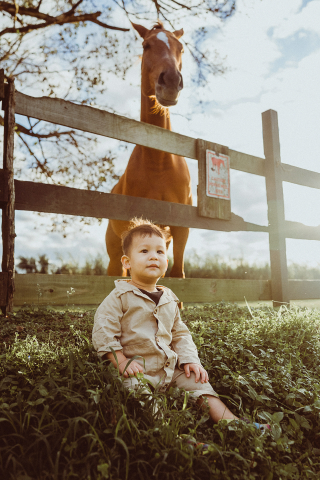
<point x="21" y="195"/>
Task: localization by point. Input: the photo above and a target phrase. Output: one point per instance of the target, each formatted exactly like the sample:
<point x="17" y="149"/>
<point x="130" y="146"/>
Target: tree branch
<point x="40" y="164"/>
<point x="21" y="129"/>
<point x="67" y="17"/>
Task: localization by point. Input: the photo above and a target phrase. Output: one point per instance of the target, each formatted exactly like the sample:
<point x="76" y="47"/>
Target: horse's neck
<point x="160" y="119"/>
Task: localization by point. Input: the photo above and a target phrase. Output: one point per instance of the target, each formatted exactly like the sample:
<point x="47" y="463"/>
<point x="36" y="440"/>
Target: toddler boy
<point x="141" y="318"/>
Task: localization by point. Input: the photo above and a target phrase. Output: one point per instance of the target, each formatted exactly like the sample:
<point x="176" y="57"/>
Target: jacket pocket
<point x="146" y="349"/>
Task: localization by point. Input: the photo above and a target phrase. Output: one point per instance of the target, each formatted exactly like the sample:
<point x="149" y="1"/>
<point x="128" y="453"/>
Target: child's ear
<point x="125" y="262"/>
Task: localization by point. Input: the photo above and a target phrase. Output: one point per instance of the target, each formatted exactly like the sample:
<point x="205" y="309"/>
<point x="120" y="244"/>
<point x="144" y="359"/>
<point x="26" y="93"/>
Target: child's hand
<point x="198" y="370"/>
<point x="133" y="369"/>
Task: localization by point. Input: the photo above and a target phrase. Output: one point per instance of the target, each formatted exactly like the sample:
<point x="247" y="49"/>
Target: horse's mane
<point x="158" y="26"/>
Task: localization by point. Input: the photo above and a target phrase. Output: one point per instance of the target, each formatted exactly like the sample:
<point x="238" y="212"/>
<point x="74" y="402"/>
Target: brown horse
<point x="151" y="173"/>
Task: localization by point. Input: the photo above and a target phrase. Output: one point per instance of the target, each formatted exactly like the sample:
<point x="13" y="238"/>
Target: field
<point x="196" y="266"/>
<point x="64" y="414"/>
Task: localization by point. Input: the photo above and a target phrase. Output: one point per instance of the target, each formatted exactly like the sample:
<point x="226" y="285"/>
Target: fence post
<point x="8" y="227"/>
<point x="276" y="217"/>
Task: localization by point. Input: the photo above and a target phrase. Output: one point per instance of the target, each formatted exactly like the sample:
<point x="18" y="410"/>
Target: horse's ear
<point x="178" y="33"/>
<point x="140" y="29"/>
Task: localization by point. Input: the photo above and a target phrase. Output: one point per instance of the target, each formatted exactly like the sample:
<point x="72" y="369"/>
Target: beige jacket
<point x="128" y="320"/>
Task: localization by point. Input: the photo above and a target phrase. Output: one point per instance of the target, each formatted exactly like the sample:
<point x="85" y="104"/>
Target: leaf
<point x="252" y="393"/>
<point x="294" y="424"/>
<point x="277" y="417"/>
<point x="264" y="397"/>
<point x="317" y="403"/>
<point x="121" y="442"/>
<point x="43" y="391"/>
<point x="303" y="422"/>
<point x="104" y="470"/>
<point x="308" y="408"/>
<point x="276" y="431"/>
<point x="96" y="397"/>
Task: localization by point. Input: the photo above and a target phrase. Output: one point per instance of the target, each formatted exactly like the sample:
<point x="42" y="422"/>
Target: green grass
<point x="64" y="414"/>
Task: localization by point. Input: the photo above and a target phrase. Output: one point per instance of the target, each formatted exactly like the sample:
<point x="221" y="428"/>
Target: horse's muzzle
<point x="167" y="102"/>
<point x="168" y="87"/>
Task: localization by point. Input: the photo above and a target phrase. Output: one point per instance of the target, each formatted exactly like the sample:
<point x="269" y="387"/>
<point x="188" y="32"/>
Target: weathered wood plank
<point x="111" y="125"/>
<point x="276" y="218"/>
<point x="39" y="197"/>
<point x="301" y="231"/>
<point x="104" y="123"/>
<point x="4" y="194"/>
<point x="300" y="176"/>
<point x="8" y="227"/>
<point x="3" y="287"/>
<point x="1" y="84"/>
<point x="246" y="163"/>
<point x="208" y="206"/>
<point x="304" y="289"/>
<point x="92" y="289"/>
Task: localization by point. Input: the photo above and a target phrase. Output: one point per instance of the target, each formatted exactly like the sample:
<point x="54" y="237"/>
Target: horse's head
<point x="161" y="64"/>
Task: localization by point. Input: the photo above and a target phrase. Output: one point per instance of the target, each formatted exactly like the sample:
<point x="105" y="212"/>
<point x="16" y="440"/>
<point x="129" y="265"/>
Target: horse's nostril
<point x="161" y="79"/>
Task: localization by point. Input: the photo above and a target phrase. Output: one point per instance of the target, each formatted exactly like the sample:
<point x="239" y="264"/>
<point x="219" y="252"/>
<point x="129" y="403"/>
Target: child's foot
<point x="259" y="426"/>
<point x="262" y="426"/>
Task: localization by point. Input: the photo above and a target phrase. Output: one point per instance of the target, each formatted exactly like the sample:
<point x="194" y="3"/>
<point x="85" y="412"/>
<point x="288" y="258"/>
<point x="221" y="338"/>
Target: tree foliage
<point x="71" y="49"/>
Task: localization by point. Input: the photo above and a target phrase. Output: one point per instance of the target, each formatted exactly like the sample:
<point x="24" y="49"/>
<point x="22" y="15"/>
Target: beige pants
<point x="179" y="378"/>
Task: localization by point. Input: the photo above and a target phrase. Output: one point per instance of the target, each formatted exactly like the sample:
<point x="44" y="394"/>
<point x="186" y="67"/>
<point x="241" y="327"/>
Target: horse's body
<point x="151" y="173"/>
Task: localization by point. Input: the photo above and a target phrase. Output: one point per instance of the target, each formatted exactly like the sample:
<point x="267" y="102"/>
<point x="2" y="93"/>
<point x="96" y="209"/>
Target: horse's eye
<point x="146" y="46"/>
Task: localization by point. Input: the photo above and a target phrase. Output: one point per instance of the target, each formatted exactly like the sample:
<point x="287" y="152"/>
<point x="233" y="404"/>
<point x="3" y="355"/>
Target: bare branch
<point x="181" y="5"/>
<point x="24" y="11"/>
<point x="39" y="164"/>
<point x="74" y="7"/>
<point x="55" y="133"/>
<point x="64" y="18"/>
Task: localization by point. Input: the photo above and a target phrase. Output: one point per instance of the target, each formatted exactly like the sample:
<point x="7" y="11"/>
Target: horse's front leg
<point x="180" y="237"/>
<point x="114" y="250"/>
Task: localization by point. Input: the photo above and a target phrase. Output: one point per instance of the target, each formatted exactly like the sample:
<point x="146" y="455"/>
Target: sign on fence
<point x="214" y="180"/>
<point x="218" y="175"/>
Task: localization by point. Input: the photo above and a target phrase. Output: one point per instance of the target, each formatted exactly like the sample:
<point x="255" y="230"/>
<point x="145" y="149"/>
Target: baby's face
<point x="147" y="258"/>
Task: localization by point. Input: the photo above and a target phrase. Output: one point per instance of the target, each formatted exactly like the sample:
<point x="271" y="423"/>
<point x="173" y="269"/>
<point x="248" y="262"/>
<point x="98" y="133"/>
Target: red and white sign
<point x="218" y="175"/>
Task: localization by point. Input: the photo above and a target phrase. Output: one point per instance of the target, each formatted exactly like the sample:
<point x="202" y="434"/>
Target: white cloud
<point x="306" y="19"/>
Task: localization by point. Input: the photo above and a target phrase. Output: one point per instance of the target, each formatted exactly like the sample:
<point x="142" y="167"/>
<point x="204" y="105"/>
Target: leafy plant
<point x="65" y="414"/>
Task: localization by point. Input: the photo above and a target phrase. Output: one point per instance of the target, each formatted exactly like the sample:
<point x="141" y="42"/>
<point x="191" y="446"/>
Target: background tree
<point x="28" y="264"/>
<point x="69" y="49"/>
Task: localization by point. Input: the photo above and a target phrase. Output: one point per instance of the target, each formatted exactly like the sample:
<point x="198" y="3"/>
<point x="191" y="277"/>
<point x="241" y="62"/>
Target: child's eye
<point x="144" y="250"/>
<point x="160" y="251"/>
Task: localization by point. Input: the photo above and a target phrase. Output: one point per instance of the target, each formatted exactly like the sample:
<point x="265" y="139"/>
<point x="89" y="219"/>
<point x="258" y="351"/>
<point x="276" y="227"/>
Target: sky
<point x="271" y="50"/>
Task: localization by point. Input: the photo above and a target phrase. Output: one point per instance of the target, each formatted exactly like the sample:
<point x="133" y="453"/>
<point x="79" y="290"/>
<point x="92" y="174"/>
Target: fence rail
<point x="92" y="289"/>
<point x="101" y="122"/>
<point x="39" y="197"/>
<point x="70" y="201"/>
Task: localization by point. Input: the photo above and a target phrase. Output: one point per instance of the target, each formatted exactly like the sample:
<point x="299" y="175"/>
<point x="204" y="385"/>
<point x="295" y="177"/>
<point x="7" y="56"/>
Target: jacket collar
<point x="123" y="286"/>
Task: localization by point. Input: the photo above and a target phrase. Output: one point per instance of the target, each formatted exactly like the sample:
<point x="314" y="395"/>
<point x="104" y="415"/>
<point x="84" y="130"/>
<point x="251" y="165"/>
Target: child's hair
<point x="139" y="226"/>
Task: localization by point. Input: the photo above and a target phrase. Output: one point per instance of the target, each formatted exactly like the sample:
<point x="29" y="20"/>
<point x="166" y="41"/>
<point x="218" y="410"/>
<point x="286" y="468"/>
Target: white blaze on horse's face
<point x="163" y="37"/>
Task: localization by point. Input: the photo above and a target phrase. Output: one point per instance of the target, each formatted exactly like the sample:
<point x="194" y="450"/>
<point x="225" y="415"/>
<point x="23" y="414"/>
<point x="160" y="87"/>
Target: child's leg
<point x="218" y="410"/>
